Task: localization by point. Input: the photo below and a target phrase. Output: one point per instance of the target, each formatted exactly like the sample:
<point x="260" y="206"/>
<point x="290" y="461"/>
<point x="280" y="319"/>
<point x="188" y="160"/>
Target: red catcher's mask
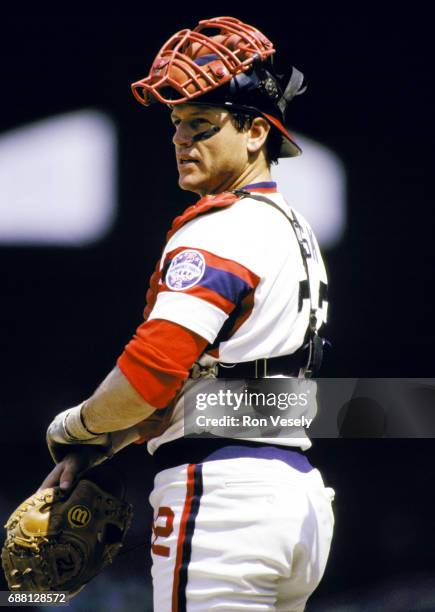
<point x="193" y="63"/>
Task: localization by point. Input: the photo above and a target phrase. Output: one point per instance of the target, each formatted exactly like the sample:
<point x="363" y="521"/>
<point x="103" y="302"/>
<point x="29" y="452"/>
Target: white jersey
<point x="236" y="277"/>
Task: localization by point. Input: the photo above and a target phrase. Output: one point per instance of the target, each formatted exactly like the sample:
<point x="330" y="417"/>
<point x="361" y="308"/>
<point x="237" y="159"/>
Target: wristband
<point x="74" y="425"/>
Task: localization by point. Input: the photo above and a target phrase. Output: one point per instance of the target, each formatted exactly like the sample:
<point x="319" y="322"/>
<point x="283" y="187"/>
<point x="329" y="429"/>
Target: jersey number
<point x="162" y="529"/>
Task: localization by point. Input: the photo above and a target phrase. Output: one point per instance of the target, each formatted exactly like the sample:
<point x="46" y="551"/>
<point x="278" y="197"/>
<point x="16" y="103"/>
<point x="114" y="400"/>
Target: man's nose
<point x="182" y="136"/>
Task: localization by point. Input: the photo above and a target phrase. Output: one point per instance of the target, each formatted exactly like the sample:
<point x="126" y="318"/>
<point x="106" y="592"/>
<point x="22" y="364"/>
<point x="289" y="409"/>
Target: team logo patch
<point x="79" y="516"/>
<point x="186" y="270"/>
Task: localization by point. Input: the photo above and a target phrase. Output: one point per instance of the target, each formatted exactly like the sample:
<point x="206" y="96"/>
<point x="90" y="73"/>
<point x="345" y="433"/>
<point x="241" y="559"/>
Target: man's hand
<point x="78" y="458"/>
<point x="65" y="473"/>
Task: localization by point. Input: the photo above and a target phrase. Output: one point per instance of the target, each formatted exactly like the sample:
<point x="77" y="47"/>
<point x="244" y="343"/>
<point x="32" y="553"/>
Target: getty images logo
<point x="79" y="516"/>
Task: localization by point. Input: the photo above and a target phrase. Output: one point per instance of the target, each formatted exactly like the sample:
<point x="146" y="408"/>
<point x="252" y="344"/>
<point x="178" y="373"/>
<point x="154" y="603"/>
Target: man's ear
<point x="257" y="134"/>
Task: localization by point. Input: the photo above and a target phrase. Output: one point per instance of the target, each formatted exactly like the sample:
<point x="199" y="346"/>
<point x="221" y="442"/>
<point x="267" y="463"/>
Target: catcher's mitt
<point x="59" y="541"/>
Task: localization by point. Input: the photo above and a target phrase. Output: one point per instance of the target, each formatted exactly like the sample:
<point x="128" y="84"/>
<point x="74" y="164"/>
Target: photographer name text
<point x="250" y="421"/>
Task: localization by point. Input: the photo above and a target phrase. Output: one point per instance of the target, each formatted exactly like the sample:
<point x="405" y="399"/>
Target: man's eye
<point x="197" y="123"/>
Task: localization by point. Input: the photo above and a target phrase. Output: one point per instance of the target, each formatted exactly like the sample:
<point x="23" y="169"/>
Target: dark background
<point x="66" y="313"/>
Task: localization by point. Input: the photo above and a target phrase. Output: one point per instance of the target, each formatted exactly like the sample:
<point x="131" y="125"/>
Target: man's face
<point x="213" y="164"/>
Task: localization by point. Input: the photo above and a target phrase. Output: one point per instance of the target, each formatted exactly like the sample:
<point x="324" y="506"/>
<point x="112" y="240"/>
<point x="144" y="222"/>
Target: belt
<point x="287" y="365"/>
<point x="201" y="450"/>
<point x="261" y="368"/>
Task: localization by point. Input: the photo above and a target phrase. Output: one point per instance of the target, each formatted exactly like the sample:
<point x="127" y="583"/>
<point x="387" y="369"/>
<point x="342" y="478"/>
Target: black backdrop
<point x="67" y="313"/>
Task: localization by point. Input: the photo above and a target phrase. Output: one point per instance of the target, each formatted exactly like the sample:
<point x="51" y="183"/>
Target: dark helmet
<point x="230" y="66"/>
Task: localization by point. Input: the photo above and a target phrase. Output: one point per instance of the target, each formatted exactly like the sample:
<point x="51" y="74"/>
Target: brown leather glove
<point x="59" y="541"/>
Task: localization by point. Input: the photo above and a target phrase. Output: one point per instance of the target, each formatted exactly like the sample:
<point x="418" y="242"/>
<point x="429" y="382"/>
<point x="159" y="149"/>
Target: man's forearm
<point x="115" y="405"/>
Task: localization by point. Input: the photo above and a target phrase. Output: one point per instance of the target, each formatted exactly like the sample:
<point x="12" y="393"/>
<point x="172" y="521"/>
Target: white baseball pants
<point x="239" y="534"/>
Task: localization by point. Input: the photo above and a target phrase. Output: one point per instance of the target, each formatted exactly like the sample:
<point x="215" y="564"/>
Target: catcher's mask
<point x="227" y="63"/>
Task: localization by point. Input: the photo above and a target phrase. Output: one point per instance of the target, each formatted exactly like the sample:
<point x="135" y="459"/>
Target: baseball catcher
<point x="240" y="291"/>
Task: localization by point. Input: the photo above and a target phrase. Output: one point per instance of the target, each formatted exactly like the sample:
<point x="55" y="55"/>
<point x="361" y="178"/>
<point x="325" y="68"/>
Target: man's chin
<point x="188" y="184"/>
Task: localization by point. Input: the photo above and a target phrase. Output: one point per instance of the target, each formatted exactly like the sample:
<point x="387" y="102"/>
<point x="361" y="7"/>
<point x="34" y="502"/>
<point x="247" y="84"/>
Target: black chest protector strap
<point x="313" y="342"/>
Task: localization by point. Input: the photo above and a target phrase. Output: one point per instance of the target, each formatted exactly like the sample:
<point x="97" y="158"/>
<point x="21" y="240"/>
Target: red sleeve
<point x="157" y="360"/>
